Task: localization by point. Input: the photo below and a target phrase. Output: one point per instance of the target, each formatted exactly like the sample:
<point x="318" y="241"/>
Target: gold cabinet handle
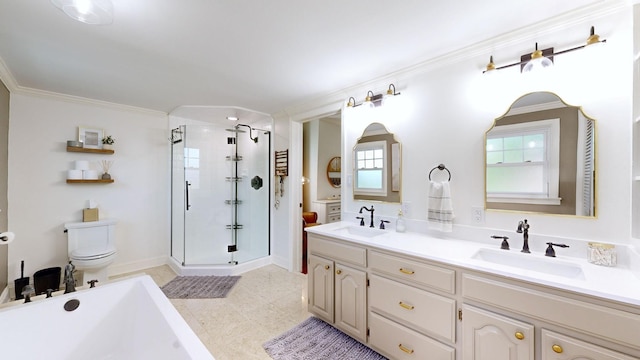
<point x="406" y="271"/>
<point x="406" y="306"/>
<point x="519" y="335"/>
<point x="338" y="271"/>
<point x="405" y="349"/>
<point x="557" y="348"/>
<point x="326" y="267"/>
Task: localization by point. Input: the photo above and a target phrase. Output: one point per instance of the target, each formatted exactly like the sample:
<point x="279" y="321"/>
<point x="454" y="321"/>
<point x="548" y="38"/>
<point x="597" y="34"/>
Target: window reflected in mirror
<point x="540" y="157"/>
<point x="376" y="165"/>
<point x="371" y="173"/>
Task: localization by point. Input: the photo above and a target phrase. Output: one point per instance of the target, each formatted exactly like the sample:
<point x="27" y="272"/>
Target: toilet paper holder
<point x="6" y="237"/>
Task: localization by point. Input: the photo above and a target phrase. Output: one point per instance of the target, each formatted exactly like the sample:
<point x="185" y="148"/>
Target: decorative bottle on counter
<point x="400" y="225"/>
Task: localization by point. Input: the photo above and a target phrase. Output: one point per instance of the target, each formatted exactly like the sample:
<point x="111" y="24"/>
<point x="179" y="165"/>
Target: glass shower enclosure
<point x="220" y="194"/>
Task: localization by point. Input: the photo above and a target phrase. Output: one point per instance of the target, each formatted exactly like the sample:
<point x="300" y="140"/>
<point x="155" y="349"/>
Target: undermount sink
<point x="362" y="231"/>
<point x="530" y="262"/>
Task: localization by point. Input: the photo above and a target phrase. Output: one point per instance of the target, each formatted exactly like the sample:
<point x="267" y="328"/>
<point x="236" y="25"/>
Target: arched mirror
<point x="540" y="157"/>
<point x="334" y="172"/>
<point x="376" y="162"/>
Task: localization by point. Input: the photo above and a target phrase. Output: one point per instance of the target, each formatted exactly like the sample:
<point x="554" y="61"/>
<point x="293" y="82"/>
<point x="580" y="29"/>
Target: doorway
<point x="321" y="176"/>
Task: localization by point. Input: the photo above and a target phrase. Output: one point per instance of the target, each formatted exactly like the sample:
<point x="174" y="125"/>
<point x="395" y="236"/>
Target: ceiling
<point x="256" y="54"/>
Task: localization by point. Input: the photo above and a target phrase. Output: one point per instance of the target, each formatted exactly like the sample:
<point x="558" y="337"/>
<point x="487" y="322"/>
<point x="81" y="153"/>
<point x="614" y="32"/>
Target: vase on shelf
<point x="107" y="146"/>
<point x="106" y="176"/>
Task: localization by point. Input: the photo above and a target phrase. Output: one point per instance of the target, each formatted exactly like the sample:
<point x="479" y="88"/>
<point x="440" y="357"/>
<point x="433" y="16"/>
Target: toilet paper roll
<point x="7" y="237"/>
<point x="82" y="165"/>
<point x="74" y="174"/>
<point x="90" y="174"/>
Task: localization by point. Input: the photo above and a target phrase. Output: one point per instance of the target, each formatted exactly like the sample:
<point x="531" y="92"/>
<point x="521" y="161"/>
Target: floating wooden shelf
<point x="86" y="150"/>
<point x="83" y="181"/>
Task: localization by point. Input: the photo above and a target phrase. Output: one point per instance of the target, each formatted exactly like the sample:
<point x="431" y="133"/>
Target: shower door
<point x="217" y="217"/>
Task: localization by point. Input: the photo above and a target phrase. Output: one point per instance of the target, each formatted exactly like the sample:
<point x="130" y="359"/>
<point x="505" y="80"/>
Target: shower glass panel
<point x="218" y="217"/>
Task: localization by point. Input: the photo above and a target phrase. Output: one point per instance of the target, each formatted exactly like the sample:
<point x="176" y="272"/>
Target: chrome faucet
<point x="69" y="281"/>
<point x="523" y="228"/>
<point x="369" y="210"/>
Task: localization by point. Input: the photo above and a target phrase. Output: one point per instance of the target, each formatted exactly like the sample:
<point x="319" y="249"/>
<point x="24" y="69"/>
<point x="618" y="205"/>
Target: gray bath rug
<point x="314" y="339"/>
<point x="199" y="287"/>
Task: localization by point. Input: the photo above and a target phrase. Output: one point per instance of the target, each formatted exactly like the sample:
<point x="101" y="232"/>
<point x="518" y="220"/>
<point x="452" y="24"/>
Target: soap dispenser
<point x="400" y="225"/>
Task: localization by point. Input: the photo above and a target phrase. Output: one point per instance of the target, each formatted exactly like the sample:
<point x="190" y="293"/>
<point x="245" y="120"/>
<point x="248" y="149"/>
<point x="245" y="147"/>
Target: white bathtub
<point x="126" y="319"/>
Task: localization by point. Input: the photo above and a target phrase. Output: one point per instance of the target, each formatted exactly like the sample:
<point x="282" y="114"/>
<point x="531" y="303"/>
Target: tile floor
<point x="263" y="304"/>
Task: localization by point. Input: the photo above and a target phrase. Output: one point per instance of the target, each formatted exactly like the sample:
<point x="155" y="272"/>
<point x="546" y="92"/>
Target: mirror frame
<point x="375" y="132"/>
<point x="532" y="207"/>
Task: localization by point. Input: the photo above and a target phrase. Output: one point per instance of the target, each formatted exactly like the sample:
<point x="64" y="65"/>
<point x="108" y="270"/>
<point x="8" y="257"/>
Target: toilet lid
<point x="92" y="253"/>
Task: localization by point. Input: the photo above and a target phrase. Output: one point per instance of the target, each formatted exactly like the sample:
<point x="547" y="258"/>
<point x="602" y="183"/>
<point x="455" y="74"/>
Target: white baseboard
<point x="119" y="269"/>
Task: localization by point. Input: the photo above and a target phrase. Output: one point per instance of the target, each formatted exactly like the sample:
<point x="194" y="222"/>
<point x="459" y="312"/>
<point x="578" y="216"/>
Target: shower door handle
<point x="187" y="194"/>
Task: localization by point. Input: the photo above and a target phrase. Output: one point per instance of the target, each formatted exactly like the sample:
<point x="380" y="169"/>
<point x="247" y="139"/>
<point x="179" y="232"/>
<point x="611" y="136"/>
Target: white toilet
<point x="92" y="249"/>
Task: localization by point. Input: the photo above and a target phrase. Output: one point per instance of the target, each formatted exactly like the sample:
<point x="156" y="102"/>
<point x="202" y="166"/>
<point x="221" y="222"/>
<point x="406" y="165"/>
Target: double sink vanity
<point x="413" y="296"/>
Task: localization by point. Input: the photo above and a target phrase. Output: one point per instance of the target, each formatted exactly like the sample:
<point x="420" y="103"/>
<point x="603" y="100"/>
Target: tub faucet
<point x="27" y="291"/>
<point x="523" y="228"/>
<point x="69" y="281"/>
<point x="369" y="210"/>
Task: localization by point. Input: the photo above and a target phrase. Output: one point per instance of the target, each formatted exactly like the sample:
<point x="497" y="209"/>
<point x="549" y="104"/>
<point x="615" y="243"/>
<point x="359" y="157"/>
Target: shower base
<point x="218" y="270"/>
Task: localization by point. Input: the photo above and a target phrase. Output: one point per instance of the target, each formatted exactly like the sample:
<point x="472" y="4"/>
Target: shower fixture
<point x="176" y="136"/>
<point x="254" y="139"/>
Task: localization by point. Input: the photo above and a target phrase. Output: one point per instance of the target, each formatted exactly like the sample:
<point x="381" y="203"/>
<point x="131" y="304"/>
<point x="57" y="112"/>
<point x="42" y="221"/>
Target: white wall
<point x="41" y="201"/>
<point x="445" y="109"/>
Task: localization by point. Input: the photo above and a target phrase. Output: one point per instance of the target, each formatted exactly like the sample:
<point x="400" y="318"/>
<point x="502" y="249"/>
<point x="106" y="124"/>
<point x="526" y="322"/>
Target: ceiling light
<point x="232" y="118"/>
<point x="537" y="62"/>
<point x="94" y="12"/>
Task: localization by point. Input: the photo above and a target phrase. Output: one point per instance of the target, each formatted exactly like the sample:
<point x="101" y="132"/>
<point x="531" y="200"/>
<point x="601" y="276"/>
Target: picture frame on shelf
<point x="91" y="138"/>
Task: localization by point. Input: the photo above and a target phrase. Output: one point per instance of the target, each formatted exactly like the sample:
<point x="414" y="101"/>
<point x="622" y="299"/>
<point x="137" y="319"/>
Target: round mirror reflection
<point x="334" y="171"/>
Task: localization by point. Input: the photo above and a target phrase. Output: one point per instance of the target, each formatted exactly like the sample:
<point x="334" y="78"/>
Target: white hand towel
<point x="440" y="209"/>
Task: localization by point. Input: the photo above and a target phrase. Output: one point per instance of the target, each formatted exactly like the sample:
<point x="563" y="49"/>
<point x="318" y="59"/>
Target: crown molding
<point x="10" y="82"/>
<point x="313" y="108"/>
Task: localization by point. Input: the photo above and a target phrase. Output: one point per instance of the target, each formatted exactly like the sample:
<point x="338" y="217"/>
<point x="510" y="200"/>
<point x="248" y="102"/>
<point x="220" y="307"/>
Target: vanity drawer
<point x="426" y="312"/>
<point x="333" y="208"/>
<point x="602" y="321"/>
<point x="399" y="342"/>
<point x="337" y="251"/>
<point x="557" y="347"/>
<point x="333" y="218"/>
<point x="432" y="276"/>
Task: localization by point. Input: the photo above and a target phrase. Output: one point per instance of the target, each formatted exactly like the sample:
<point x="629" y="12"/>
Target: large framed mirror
<point x="540" y="157"/>
<point x="377" y="165"/>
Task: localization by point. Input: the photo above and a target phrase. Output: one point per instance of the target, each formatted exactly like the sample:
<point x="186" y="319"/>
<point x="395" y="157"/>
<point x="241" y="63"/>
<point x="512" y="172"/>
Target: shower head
<point x="235" y="130"/>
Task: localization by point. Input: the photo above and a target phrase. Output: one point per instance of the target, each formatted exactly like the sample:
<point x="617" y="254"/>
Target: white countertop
<point x="613" y="283"/>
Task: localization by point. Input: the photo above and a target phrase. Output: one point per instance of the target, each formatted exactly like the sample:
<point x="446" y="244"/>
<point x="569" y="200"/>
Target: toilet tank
<point x="92" y="234"/>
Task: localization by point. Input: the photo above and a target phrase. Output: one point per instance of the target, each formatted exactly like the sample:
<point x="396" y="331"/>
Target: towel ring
<point x="440" y="167"/>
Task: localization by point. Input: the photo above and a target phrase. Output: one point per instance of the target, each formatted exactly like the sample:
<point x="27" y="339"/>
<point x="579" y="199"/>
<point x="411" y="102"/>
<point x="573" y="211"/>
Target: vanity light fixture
<point x="93" y="12"/>
<point x="372" y="100"/>
<point x="543" y="58"/>
<point x="392" y="90"/>
<point x="538" y="61"/>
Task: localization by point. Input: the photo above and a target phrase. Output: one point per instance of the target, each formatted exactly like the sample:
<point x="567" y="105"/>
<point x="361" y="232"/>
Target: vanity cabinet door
<point x="320" y="283"/>
<point x="350" y="301"/>
<point x="489" y="336"/>
<point x="560" y="347"/>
